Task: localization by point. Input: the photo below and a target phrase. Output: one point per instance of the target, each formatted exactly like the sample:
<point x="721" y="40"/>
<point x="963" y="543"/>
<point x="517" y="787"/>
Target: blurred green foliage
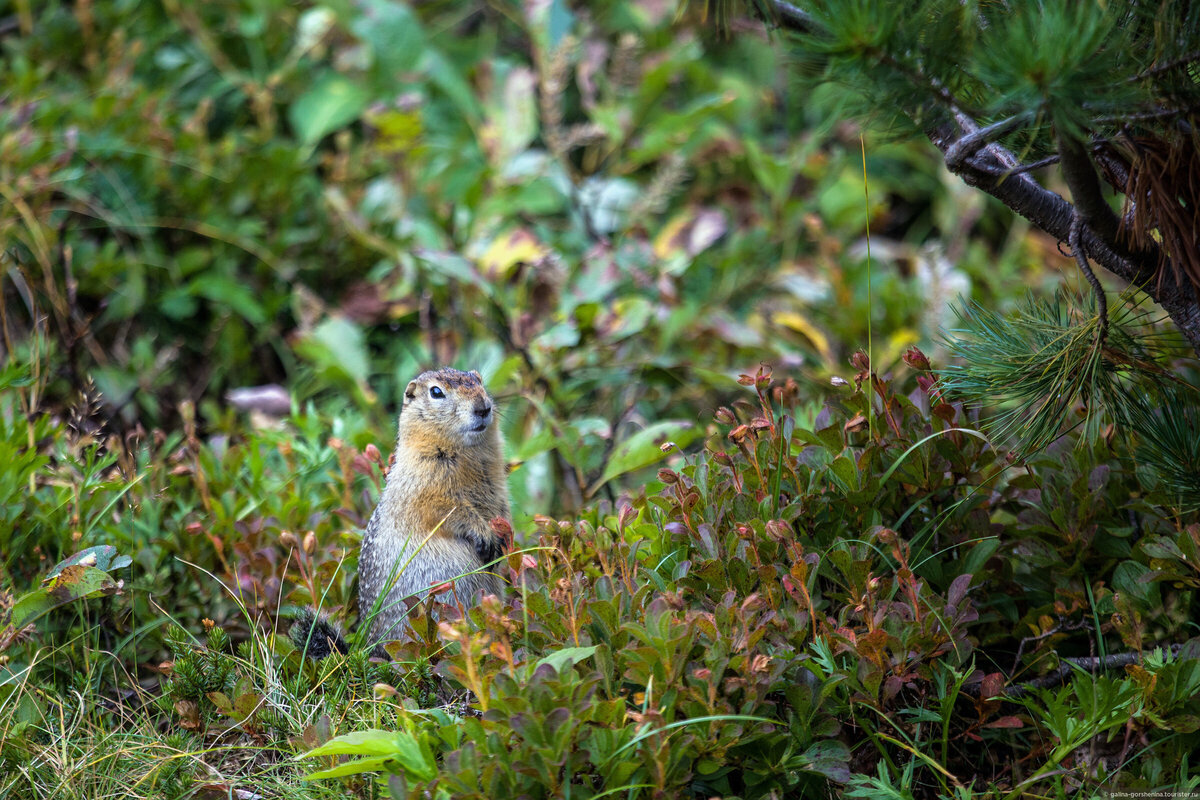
<point x="606" y="213"/>
<point x="611" y="212"/>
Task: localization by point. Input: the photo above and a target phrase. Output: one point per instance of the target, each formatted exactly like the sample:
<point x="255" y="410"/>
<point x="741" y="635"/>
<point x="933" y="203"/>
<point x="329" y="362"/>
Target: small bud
<point x="310" y="542"/>
<point x="722" y="458"/>
<point x="503" y="529"/>
<point x="194" y="528"/>
<point x="372" y="453"/>
<point x="288" y="539"/>
<point x="745" y="380"/>
<point x="916" y="359"/>
<point x="838" y="382"/>
<point x="860" y="361"/>
<point x="625" y="515"/>
<point x="667" y="447"/>
<point x="725" y="416"/>
<point x="208" y="624"/>
<point x="778" y="530"/>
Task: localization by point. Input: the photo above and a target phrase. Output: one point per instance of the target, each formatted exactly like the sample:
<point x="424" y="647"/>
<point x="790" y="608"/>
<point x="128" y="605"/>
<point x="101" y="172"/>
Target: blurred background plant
<point x="578" y="202"/>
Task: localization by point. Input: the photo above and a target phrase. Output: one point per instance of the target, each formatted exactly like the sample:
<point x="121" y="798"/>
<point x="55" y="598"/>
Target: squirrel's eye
<point x="436" y="392"/>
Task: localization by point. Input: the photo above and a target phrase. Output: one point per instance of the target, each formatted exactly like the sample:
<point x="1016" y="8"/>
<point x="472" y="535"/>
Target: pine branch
<point x="990" y="167"/>
<point x="994" y="170"/>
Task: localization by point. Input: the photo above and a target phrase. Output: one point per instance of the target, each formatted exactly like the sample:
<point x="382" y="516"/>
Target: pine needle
<point x="1042" y="361"/>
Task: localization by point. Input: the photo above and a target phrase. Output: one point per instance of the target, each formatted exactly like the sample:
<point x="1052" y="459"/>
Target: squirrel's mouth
<point x="478" y="428"/>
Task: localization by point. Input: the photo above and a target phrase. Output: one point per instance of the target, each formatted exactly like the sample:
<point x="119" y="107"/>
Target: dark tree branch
<point x="1088" y="663"/>
<point x="985" y="165"/>
<point x="970" y="144"/>
<point x="1080" y="174"/>
<point x="795" y="18"/>
<point x="992" y="170"/>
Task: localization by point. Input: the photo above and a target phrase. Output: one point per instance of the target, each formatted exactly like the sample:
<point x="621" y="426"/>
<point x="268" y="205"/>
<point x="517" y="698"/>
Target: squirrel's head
<point x="448" y="407"/>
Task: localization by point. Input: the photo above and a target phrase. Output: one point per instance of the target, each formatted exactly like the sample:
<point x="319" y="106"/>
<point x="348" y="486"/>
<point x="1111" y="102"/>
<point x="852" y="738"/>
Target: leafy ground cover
<point x="823" y="577"/>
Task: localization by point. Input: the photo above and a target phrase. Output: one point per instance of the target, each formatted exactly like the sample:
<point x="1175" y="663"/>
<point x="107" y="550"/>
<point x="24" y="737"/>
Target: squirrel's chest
<point x="429" y="493"/>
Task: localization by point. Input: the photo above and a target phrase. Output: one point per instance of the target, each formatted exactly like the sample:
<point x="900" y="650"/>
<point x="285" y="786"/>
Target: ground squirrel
<point x="449" y="470"/>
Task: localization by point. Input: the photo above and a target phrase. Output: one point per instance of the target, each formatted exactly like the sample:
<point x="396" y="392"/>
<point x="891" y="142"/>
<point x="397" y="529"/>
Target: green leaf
<point x="225" y="292"/>
<point x="339" y="342"/>
<point x="73" y="582"/>
<point x="332" y="102"/>
<point x="446" y="265"/>
<point x="1162" y="547"/>
<point x="566" y="656"/>
<point x="645" y="448"/>
<point x="103" y="557"/>
<point x="405" y="749"/>
<point x="845" y="473"/>
<point x="394" y="34"/>
<point x="1133" y="579"/>
<point x="357" y="767"/>
<point x="359" y="743"/>
<point x="831" y="759"/>
<point x="222" y="702"/>
<point x="512" y="116"/>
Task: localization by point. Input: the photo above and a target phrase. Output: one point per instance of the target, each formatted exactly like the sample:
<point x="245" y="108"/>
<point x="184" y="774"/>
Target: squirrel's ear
<point x="411" y="391"/>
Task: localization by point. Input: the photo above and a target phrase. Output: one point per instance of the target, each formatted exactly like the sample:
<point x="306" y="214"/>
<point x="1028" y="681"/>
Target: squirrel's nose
<point x="483" y="411"/>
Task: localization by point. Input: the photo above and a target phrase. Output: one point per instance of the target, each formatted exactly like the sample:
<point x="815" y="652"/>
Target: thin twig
<point x="1161" y="68"/>
<point x="1076" y="241"/>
